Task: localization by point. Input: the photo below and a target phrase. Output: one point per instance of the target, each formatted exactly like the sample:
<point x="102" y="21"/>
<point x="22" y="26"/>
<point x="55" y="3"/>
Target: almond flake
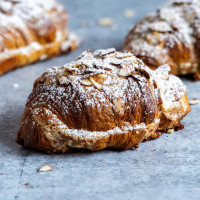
<point x="45" y="168"/>
<point x="106" y="21"/>
<point x="86" y="82"/>
<point x="194" y="101"/>
<point x="170" y="131"/>
<point x="129" y="13"/>
<point x="97" y="85"/>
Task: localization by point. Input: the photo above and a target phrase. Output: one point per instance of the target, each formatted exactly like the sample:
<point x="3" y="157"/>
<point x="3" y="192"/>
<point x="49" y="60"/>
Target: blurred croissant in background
<point x="31" y="31"/>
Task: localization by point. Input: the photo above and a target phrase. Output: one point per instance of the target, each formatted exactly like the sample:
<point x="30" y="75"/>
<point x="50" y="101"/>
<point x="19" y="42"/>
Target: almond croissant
<point x="102" y="99"/>
<point x="32" y="30"/>
<point x="169" y="36"/>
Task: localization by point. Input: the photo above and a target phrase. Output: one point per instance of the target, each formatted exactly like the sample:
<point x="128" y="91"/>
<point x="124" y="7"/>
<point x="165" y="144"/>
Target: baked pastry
<point x="102" y="99"/>
<point x="169" y="36"/>
<point x="31" y="31"/>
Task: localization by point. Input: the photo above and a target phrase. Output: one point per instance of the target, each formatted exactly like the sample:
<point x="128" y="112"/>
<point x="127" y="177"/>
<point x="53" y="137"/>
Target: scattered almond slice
<point x="106" y="21"/>
<point x="100" y="78"/>
<point x="45" y="168"/>
<point x="129" y="13"/>
<point x="194" y="101"/>
<point x="170" y="131"/>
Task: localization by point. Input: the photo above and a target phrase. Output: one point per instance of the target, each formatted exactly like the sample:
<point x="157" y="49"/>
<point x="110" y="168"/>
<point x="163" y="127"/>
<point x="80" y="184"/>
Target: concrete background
<point x="166" y="168"/>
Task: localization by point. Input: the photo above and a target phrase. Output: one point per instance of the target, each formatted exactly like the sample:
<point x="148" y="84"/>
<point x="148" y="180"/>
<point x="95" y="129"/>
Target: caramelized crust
<point x="169" y="36"/>
<point x="31" y="31"/>
<point x="102" y="99"/>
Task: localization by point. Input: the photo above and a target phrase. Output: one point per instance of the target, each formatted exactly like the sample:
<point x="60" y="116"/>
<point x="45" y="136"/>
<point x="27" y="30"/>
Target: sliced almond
<point x="45" y="168"/>
<point x="119" y="106"/>
<point x="106" y="21"/>
<point x="102" y="76"/>
<point x="86" y="82"/>
<point x="194" y="101"/>
<point x="97" y="85"/>
<point x="129" y="13"/>
<point x="170" y="131"/>
<point x="160" y="27"/>
<point x="99" y="78"/>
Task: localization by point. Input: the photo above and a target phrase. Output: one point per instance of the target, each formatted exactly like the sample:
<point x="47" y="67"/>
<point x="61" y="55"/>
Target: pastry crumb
<point x="106" y="21"/>
<point x="170" y="131"/>
<point x="26" y="184"/>
<point x="45" y="168"/>
<point x="136" y="146"/>
<point x="129" y="13"/>
<point x="194" y="101"/>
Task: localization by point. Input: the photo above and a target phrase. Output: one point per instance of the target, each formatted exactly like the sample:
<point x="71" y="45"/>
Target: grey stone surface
<point x="166" y="168"/>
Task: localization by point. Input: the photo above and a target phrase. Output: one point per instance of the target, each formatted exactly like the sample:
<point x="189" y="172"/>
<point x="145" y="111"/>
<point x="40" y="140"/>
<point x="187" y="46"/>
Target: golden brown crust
<point x="169" y="36"/>
<point x="31" y="31"/>
<point x="102" y="99"/>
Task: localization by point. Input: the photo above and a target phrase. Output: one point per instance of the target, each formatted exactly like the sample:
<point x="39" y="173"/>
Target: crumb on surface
<point x="170" y="131"/>
<point x="129" y="13"/>
<point x="45" y="168"/>
<point x="105" y="21"/>
<point x="136" y="146"/>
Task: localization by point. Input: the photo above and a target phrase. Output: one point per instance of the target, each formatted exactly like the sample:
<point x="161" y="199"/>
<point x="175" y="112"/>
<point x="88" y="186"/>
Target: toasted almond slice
<point x="170" y="131"/>
<point x="129" y="13"/>
<point x="45" y="168"/>
<point x="97" y="85"/>
<point x="86" y="82"/>
<point x="99" y="78"/>
<point x="106" y="21"/>
<point x="102" y="76"/>
<point x="194" y="101"/>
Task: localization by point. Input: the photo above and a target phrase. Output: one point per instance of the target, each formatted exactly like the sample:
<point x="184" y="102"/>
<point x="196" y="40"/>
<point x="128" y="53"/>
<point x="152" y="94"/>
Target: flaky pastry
<point x="102" y="99"/>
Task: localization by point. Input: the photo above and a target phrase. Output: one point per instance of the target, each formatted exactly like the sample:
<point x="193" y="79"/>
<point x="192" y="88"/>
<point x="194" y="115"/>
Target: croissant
<point x="31" y="31"/>
<point x="102" y="99"/>
<point x="169" y="36"/>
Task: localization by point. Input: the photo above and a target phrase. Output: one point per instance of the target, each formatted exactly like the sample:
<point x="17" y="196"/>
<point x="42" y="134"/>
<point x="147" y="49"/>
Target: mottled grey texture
<point x="167" y="168"/>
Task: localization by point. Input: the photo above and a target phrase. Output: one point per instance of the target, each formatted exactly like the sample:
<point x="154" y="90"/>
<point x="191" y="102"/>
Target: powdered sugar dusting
<point x="101" y="87"/>
<point x="86" y="134"/>
<point x="174" y="25"/>
<point x="171" y="87"/>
